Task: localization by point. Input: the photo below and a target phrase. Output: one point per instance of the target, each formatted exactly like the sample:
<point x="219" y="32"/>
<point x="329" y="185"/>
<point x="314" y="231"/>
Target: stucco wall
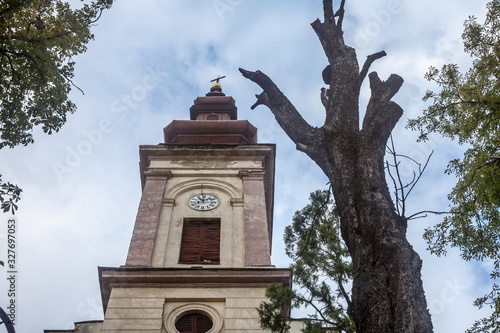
<point x="240" y="178"/>
<point x="145" y="310"/>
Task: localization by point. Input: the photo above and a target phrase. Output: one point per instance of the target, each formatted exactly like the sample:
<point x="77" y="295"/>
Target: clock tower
<point x="199" y="257"/>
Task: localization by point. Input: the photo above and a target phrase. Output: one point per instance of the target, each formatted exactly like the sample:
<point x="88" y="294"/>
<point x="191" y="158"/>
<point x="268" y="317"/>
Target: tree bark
<point x="387" y="293"/>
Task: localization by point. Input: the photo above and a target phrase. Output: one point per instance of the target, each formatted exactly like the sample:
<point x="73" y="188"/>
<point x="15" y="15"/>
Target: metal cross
<point x="218" y="78"/>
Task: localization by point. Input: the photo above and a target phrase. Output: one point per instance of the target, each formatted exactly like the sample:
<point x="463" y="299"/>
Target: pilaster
<point x="146" y="224"/>
<point x="257" y="242"/>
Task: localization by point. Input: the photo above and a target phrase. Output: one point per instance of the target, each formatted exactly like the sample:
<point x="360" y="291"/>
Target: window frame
<point x="194" y="307"/>
<point x="200" y="241"/>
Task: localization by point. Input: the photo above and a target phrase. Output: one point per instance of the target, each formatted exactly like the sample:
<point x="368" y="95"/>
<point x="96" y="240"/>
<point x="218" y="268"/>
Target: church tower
<point x="199" y="257"/>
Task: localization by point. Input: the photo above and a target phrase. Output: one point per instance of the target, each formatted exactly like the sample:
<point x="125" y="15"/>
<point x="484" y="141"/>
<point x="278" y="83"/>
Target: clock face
<point x="203" y="202"/>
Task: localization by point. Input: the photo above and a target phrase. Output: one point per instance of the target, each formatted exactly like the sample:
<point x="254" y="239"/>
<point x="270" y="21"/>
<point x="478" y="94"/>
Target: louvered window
<point x="200" y="241"/>
<point x="213" y="117"/>
<point x="194" y="323"/>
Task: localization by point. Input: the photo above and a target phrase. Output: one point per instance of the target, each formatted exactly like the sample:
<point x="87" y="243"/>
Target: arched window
<point x="194" y="317"/>
<point x="194" y="323"/>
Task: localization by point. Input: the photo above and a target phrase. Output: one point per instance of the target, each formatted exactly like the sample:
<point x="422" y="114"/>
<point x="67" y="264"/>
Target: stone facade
<point x="242" y="179"/>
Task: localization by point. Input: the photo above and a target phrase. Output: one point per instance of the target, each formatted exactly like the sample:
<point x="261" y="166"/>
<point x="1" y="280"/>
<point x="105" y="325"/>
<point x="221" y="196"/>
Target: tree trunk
<point x="387" y="294"/>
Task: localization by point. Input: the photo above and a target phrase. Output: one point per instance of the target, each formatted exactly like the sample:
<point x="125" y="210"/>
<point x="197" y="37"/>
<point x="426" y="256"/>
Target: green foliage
<point x="320" y="271"/>
<point x="467" y="108"/>
<point x="271" y="313"/>
<point x="10" y="194"/>
<point x="38" y="42"/>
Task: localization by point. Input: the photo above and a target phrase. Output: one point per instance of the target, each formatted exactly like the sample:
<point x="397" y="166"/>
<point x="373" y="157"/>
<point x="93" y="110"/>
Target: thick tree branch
<point x="328" y="10"/>
<point x="326" y="36"/>
<point x="385" y="90"/>
<point x="341" y="74"/>
<point x="330" y="16"/>
<point x="382" y="114"/>
<point x="330" y="32"/>
<point x="303" y="134"/>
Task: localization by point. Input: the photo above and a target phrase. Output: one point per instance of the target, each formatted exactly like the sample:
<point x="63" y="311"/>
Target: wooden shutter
<point x="190" y="246"/>
<point x="194" y="323"/>
<point x="210" y="248"/>
<point x="200" y="242"/>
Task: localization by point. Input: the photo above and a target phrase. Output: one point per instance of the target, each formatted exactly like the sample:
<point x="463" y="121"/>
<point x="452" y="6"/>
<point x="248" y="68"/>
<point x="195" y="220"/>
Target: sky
<point x="148" y="62"/>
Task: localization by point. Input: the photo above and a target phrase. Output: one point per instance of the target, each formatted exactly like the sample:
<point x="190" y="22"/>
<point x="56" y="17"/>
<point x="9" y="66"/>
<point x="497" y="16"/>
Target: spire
<point x="216" y="89"/>
<point x="215" y="105"/>
<point x="213" y="120"/>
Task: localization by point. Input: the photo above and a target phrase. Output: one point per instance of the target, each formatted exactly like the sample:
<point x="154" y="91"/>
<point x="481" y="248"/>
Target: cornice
<point x="144" y="277"/>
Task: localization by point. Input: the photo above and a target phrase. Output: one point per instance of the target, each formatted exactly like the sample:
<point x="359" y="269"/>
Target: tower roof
<point x="213" y="120"/>
<point x="214" y="103"/>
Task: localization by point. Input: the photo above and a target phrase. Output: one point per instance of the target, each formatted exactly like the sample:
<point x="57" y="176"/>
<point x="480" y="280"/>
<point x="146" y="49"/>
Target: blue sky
<point x="148" y="62"/>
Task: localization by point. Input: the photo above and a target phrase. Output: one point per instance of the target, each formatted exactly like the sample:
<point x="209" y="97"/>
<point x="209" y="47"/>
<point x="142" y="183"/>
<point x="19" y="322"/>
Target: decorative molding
<point x="158" y="174"/>
<point x="207" y="183"/>
<point x="252" y="174"/>
<point x="237" y="202"/>
<point x="168" y="202"/>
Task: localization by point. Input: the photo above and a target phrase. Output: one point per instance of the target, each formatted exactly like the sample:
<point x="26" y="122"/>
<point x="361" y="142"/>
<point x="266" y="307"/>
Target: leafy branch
<point x="10" y="194"/>
<point x="321" y="270"/>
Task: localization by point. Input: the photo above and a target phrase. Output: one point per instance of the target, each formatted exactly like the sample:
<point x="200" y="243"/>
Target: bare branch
<point x="287" y="116"/>
<point x="398" y="175"/>
<point x="369" y="60"/>
<point x="400" y="189"/>
<point x="396" y="191"/>
<point x="340" y="14"/>
<point x="261" y="100"/>
<point x="346" y="297"/>
<point x="415" y="216"/>
<point x="71" y="82"/>
<point x="420" y="173"/>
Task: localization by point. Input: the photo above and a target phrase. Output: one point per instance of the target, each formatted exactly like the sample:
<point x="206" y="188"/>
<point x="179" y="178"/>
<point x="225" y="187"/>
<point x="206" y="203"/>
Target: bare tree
<point x="387" y="293"/>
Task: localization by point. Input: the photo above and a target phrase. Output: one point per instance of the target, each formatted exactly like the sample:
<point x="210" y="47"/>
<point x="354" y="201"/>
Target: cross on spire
<point x="218" y="78"/>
